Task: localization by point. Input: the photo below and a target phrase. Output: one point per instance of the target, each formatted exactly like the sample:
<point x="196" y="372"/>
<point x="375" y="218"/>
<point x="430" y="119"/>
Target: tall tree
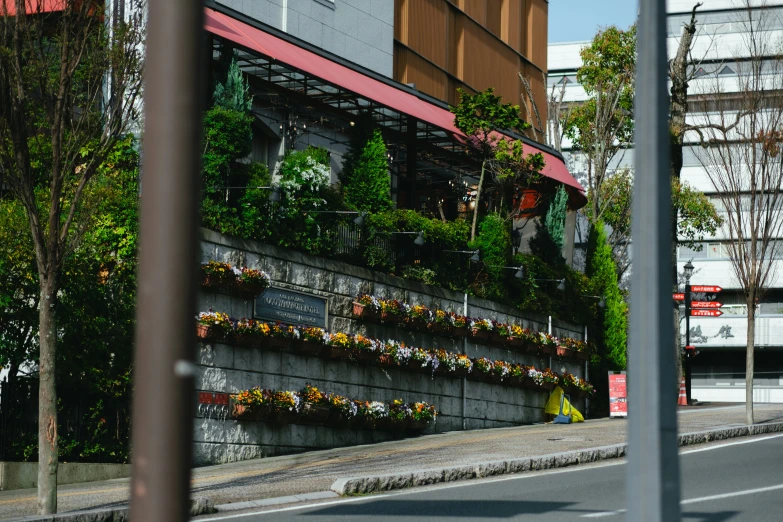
<point x="69" y="86"/>
<point x="365" y="179"/>
<point x="480" y="116"/>
<point x="603" y="125"/>
<point x="740" y="129"/>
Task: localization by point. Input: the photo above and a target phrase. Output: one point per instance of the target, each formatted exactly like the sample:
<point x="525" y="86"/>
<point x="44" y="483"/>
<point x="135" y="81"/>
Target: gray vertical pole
<point x="653" y="465"/>
<point x="464" y="380"/>
<point x="587" y="377"/>
<point x="549" y="331"/>
<point x="163" y="401"/>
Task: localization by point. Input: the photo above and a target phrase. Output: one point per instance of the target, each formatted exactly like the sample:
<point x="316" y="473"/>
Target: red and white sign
<point x="618" y="398"/>
<point x="706" y="304"/>
<point x="706" y="289"/>
<point x="678" y="297"/>
<point x="706" y="313"/>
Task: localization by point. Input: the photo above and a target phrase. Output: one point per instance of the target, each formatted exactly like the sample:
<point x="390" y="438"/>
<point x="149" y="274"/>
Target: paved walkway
<point x="316" y="471"/>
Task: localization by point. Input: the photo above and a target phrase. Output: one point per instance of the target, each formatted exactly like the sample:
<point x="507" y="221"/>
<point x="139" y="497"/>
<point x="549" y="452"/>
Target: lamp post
<point x="688" y="268"/>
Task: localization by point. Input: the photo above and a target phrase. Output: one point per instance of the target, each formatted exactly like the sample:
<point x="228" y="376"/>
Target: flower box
<point x="364" y="312"/>
<point x="306" y="347"/>
<point x="531" y="347"/>
<point x="218" y="283"/>
<point x="417" y="324"/>
<point x="459" y="372"/>
<point x="207" y="332"/>
<point x="247" y="340"/>
<point x="515" y="381"/>
<point x="364" y="355"/>
<point x="417" y="425"/>
<point x="249" y="290"/>
<point x="582" y="356"/>
<point x="546" y="349"/>
<point x="390" y="318"/>
<point x="386" y="360"/>
<point x="439" y="329"/>
<point x="416" y="366"/>
<point x="549" y="386"/>
<point x="498" y="339"/>
<point x="316" y="413"/>
<point x="337" y="352"/>
<point x="481" y="334"/>
<point x="562" y="351"/>
<point x="462" y="331"/>
<point x="252" y="413"/>
<point x="288" y="417"/>
<point x="530" y="384"/>
<point x="277" y="343"/>
<point x="515" y="342"/>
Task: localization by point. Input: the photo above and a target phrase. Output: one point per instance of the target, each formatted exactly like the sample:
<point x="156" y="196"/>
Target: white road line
<point x="697" y="500"/>
<point x="474" y="482"/>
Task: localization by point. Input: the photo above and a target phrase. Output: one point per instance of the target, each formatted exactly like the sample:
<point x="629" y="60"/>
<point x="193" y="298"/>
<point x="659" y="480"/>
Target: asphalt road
<point x="737" y="481"/>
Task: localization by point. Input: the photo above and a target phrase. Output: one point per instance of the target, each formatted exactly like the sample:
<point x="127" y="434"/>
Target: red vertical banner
<point x="618" y="398"/>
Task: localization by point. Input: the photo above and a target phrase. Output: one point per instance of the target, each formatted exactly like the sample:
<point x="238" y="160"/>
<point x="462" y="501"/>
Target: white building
<point x="719" y="369"/>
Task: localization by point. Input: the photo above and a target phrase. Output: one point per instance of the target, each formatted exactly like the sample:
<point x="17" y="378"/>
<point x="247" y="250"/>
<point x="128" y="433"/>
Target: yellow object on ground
<point x="553" y="406"/>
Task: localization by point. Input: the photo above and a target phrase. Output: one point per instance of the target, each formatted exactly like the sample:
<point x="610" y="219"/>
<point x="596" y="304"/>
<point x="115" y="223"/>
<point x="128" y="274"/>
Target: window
<point x="727" y="71"/>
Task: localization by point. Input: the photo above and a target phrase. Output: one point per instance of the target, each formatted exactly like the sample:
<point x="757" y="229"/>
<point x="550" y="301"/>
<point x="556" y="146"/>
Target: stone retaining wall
<point x="462" y="404"/>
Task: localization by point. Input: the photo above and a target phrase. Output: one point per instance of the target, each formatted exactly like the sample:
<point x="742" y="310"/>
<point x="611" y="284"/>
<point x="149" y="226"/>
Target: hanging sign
<point x="618" y="397"/>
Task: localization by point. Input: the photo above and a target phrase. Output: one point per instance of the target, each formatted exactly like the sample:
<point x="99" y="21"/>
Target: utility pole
<point x="163" y="400"/>
<point x="688" y="269"/>
<point x="653" y="467"/>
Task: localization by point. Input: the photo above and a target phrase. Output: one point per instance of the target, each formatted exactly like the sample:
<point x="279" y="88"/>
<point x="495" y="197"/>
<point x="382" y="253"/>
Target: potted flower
<point x="252" y="404"/>
<point x="218" y="275"/>
<point x="365" y="349"/>
<point x="372" y="414"/>
<point x="419" y="360"/>
<point x="310" y="341"/>
<point x="481" y="328"/>
<point x="315" y="406"/>
<point x="287" y="405"/>
<point x="482" y="368"/>
<point x="462" y="365"/>
<point x="338" y="346"/>
<point x="446" y="361"/>
<point x="500" y="371"/>
<point x="367" y="307"/>
<point x="342" y="410"/>
<point x="460" y="325"/>
<point x="440" y="323"/>
<point x="550" y="379"/>
<point x="251" y="283"/>
<point x="246" y="333"/>
<point x="500" y="332"/>
<point x="532" y="378"/>
<point x="393" y="311"/>
<point x="547" y="344"/>
<point x="422" y="415"/>
<point x="213" y="326"/>
<point x="517" y="336"/>
<point x="419" y="318"/>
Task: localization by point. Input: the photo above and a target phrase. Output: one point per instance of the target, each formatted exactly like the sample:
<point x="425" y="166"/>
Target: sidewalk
<point x="317" y="471"/>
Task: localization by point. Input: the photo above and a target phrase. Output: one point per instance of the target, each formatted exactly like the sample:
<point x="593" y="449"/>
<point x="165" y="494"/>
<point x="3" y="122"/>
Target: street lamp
<point x="475" y="258"/>
<point x="516" y="239"/>
<point x="688" y="271"/>
<point x="419" y="241"/>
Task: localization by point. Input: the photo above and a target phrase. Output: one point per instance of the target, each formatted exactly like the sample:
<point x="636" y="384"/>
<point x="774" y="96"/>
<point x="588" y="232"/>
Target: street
<point x="735" y="481"/>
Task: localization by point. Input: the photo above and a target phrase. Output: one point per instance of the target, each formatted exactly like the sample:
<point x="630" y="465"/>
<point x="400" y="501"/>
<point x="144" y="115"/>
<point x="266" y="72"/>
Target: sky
<point x="579" y="20"/>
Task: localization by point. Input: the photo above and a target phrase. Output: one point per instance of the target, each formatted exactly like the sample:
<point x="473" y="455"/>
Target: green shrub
<point x="365" y="179"/>
<point x="543" y="245"/>
<point x="556" y="217"/>
<point x="494" y="243"/>
<point x="603" y="275"/>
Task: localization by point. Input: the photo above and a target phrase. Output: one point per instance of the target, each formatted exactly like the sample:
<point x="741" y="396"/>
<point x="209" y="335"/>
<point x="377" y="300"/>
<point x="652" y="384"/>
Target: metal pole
<point x="464" y="380"/>
<point x="653" y="466"/>
<point x="549" y="331"/>
<point x="688" y="341"/>
<point x="163" y="401"/>
<point x="587" y="377"/>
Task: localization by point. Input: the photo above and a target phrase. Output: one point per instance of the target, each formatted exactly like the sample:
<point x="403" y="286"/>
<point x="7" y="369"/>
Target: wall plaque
<point x="290" y="307"/>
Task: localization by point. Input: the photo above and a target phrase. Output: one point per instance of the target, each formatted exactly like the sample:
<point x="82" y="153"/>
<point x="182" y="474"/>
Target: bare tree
<point x="70" y="77"/>
<point x="742" y="138"/>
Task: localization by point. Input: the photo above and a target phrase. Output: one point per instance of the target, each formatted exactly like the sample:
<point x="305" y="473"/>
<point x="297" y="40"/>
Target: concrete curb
<point x="198" y="506"/>
<point x="276" y="501"/>
<point x="408" y="479"/>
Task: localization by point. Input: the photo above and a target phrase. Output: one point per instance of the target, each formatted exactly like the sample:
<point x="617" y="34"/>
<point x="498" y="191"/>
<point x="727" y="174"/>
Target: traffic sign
<point x="707" y="289"/>
<point x="706" y="304"/>
<point x="706" y="313"/>
<point x="678" y="297"/>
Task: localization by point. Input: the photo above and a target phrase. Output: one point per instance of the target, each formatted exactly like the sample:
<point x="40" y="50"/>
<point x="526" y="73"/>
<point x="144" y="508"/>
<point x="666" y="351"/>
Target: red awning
<point x="320" y="67"/>
<point x="34" y="6"/>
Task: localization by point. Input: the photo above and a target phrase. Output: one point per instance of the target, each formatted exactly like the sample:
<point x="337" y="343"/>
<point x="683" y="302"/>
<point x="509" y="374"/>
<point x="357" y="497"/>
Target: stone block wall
<point x="462" y="404"/>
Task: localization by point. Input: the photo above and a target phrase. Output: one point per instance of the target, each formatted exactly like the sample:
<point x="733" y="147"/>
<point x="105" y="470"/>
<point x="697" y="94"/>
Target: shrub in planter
<point x="213" y="326"/>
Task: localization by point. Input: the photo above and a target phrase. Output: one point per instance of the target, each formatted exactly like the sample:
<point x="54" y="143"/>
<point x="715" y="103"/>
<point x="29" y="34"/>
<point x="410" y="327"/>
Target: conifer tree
<point x="555" y="218"/>
<point x="366" y="178"/>
<point x="603" y="275"/>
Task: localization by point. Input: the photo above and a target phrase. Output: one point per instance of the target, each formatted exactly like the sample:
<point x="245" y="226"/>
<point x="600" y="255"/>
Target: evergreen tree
<point x="556" y="216"/>
<point x="603" y="275"/>
<point x="366" y="177"/>
<point x="235" y="93"/>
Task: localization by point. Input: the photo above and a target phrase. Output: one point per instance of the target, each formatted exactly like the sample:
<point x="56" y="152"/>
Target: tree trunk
<point x="47" y="399"/>
<point x="476" y="208"/>
<point x="749" y="364"/>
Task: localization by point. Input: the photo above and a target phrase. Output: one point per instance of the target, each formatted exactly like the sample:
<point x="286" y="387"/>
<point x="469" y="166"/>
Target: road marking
<point x="736" y="443"/>
<point x="696" y="500"/>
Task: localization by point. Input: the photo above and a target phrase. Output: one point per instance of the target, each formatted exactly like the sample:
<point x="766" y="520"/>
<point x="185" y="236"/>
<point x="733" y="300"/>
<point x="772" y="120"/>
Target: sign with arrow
<point x="706" y="304"/>
<point x="706" y="289"/>
<point x="706" y="313"/>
